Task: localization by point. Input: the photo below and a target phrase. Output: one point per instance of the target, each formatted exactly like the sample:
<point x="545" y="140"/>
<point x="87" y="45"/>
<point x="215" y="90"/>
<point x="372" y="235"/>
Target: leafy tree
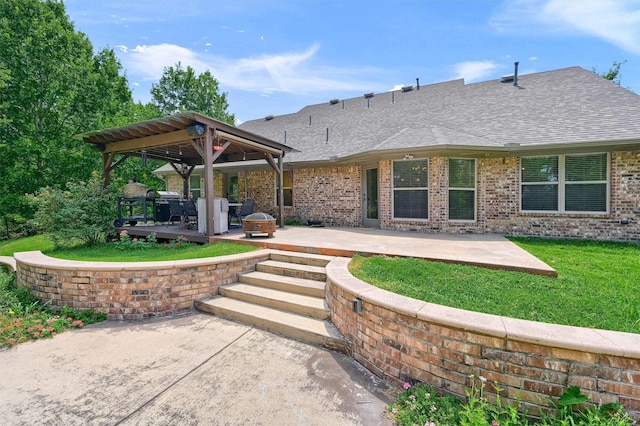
<point x="4" y="78"/>
<point x="57" y="89"/>
<point x="83" y="211"/>
<point x="182" y="90"/>
<point x="613" y="74"/>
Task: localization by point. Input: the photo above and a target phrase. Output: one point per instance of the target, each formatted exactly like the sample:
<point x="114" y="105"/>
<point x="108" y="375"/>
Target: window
<point x="194" y="186"/>
<point x="565" y="183"/>
<point x="287" y="179"/>
<point x="462" y="189"/>
<point x="410" y="189"/>
<point x="232" y="188"/>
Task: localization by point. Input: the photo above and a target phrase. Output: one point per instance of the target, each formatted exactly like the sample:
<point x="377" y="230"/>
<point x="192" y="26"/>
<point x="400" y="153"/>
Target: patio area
<point x="486" y="250"/>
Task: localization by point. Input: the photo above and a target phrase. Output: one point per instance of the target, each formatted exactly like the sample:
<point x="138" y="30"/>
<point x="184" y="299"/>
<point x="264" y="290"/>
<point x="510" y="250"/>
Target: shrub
<point x="420" y="405"/>
<point x="83" y="212"/>
<point x="24" y="318"/>
<point x="127" y="243"/>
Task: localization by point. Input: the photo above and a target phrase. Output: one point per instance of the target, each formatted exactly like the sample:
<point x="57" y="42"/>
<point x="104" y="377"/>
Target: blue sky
<point x="275" y="57"/>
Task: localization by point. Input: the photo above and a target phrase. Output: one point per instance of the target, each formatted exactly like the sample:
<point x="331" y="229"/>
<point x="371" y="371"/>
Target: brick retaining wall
<point x="404" y="340"/>
<point x="133" y="290"/>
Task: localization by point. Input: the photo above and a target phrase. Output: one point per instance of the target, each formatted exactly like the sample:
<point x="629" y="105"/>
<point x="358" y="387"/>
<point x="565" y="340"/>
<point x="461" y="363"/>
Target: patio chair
<point x="190" y="214"/>
<point x="175" y="211"/>
<point x="245" y="210"/>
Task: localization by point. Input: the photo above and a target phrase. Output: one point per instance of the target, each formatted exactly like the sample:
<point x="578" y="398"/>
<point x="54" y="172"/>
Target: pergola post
<point x="281" y="190"/>
<point x="208" y="180"/>
<point x="106" y="169"/>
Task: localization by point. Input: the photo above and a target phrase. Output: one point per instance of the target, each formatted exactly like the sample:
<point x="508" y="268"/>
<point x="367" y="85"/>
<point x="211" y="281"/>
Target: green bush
<point x="420" y="405"/>
<point x="83" y="212"/>
<point x="24" y="318"/>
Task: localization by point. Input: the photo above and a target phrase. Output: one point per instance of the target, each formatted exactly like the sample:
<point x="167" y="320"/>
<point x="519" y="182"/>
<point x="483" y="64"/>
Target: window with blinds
<point x="565" y="183"/>
<point x="462" y="189"/>
<point x="410" y="189"/>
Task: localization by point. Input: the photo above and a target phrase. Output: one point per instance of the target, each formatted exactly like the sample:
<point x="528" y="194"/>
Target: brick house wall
<point x="498" y="201"/>
<point x="334" y="195"/>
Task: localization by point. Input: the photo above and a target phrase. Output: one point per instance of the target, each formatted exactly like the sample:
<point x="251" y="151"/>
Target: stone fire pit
<point x="259" y="223"/>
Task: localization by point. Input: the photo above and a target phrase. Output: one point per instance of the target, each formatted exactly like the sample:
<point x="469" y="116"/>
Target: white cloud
<point x="295" y="72"/>
<point x="474" y="70"/>
<point x="616" y="21"/>
<point x="147" y="63"/>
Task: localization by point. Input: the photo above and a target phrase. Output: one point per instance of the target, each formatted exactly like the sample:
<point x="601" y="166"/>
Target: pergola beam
<point x="161" y="139"/>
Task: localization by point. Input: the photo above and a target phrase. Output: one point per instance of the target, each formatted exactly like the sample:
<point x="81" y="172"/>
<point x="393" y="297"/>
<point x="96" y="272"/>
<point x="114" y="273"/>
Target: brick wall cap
<point x="583" y="339"/>
<point x="40" y="260"/>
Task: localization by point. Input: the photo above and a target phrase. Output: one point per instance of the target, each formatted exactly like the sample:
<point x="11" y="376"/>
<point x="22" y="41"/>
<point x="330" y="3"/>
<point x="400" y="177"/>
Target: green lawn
<point x="36" y="242"/>
<point x="598" y="284"/>
<point x="111" y="253"/>
<point x="108" y="252"/>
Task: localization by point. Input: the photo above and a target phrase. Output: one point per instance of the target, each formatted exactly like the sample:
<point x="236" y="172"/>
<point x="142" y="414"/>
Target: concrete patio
<point x="486" y="250"/>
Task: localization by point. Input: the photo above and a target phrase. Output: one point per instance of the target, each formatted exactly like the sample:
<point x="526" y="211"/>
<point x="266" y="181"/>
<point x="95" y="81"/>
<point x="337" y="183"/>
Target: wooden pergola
<point x="186" y="140"/>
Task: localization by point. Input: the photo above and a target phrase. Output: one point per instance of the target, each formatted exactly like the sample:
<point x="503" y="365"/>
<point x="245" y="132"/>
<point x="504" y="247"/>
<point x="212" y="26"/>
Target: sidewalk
<point x="195" y="369"/>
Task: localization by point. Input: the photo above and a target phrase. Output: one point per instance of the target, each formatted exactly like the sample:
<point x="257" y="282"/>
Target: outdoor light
<point x="357" y="305"/>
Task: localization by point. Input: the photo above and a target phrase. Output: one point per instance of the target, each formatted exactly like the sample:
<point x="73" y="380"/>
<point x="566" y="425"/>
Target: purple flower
<point x="406" y="385"/>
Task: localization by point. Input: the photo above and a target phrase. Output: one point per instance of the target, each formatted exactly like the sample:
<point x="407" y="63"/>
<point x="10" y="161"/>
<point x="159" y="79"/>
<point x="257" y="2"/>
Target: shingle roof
<point x="569" y="106"/>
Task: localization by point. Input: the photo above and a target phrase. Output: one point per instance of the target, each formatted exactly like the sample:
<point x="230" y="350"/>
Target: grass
<point x="597" y="284"/>
<point x="128" y="252"/>
<point x="109" y="252"/>
<point x="35" y="242"/>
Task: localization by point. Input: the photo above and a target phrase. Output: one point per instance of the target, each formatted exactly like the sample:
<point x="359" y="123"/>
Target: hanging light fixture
<point x="217" y="146"/>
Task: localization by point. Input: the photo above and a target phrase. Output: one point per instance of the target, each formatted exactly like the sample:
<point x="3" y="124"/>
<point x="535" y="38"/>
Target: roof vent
<point x="268" y="118"/>
<point x="334" y="101"/>
<point x="407" y="88"/>
<point x="507" y="78"/>
<point x="368" y="95"/>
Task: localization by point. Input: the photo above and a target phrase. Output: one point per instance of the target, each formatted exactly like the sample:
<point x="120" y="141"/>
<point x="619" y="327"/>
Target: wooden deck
<point x="167" y="231"/>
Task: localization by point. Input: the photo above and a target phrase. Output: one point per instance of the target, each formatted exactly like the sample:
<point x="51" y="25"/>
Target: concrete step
<point x="281" y="282"/>
<point x="311" y="306"/>
<point x="309" y="272"/>
<point x="304" y="328"/>
<point x="301" y="258"/>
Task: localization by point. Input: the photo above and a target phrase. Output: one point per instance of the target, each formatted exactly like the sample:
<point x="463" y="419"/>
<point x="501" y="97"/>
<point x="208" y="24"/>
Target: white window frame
<point x="561" y="183"/>
<point x="421" y="188"/>
<point x="474" y="190"/>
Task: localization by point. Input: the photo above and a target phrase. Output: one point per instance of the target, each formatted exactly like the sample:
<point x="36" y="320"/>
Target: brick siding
<point x="498" y="200"/>
<point x="334" y="195"/>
